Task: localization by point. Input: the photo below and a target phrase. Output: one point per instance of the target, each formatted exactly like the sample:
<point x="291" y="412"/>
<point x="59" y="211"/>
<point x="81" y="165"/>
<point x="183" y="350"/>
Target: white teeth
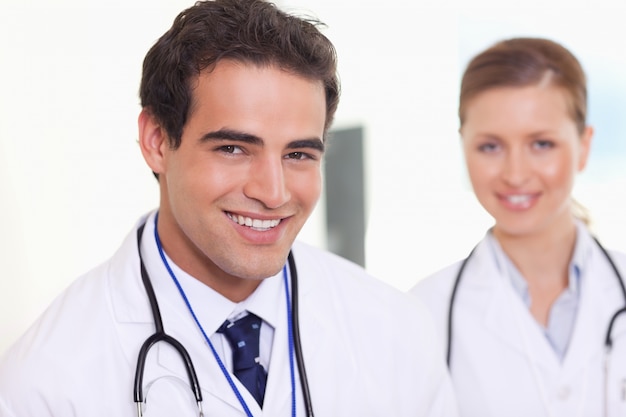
<point x="256" y="224"/>
<point x="518" y="199"/>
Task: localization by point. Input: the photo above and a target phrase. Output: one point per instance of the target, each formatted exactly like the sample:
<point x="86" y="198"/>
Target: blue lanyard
<point x="206" y="338"/>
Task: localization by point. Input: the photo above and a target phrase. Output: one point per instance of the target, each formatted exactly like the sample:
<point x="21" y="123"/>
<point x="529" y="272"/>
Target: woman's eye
<point x="543" y="144"/>
<point x="488" y="147"/>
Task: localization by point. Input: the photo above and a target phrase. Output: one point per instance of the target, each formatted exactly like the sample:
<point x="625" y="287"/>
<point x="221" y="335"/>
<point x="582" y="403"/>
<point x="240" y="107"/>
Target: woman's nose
<point x="516" y="169"/>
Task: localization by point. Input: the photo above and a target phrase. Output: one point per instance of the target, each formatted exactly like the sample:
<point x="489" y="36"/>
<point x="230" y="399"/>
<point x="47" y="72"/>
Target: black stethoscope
<point x="608" y="342"/>
<point x="160" y="336"/>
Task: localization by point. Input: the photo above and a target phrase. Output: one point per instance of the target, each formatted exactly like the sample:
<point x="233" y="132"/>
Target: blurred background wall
<point x="73" y="182"/>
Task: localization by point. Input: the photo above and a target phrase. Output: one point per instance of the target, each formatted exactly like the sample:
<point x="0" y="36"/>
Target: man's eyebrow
<point x="233" y="135"/>
<point x="228" y="134"/>
<point x="312" y="143"/>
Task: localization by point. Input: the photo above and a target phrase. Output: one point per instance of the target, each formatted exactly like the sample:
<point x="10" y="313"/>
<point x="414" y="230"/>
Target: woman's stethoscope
<point x="160" y="336"/>
<point x="608" y="342"/>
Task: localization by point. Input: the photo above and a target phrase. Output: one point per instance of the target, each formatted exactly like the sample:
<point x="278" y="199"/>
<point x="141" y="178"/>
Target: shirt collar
<point x="265" y="301"/>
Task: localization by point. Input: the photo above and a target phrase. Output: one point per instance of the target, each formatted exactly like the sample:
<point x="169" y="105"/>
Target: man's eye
<point x="230" y="149"/>
<point x="298" y="155"/>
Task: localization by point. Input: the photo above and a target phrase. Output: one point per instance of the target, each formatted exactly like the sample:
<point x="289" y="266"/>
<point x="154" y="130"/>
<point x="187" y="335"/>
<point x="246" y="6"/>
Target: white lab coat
<point x="502" y="364"/>
<point x="79" y="358"/>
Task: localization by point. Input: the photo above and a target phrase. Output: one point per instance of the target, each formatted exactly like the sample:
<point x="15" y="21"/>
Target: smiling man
<point x="245" y="177"/>
<point x="237" y="98"/>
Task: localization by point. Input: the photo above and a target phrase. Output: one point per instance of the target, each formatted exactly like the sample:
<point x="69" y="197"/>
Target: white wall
<point x="73" y="182"/>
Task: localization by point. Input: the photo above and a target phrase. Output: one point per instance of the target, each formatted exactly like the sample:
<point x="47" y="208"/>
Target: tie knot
<point x="243" y="337"/>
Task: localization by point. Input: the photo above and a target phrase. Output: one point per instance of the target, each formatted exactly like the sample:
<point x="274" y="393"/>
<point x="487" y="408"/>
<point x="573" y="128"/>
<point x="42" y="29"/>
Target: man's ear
<point x="152" y="141"/>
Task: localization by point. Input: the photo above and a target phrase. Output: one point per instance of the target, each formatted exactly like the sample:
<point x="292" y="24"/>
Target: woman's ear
<point x="152" y="141"/>
<point x="585" y="147"/>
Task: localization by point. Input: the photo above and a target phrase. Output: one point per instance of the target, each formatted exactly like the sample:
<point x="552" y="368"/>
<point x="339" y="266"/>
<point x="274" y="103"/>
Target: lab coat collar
<point x="507" y="318"/>
<point x="129" y="301"/>
<point x="482" y="269"/>
<point x="506" y="314"/>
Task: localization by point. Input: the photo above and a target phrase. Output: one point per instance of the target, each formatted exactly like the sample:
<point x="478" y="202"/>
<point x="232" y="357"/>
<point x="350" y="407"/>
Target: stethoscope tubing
<point x="304" y="381"/>
<point x="455" y="289"/>
<point x="161" y="336"/>
<point x="608" y="341"/>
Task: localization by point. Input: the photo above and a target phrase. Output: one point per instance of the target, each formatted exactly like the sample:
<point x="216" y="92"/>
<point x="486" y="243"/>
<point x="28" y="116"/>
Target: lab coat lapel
<point x="600" y="298"/>
<point x="507" y="317"/>
<point x="612" y="296"/>
<point x="278" y="394"/>
<point x="483" y="281"/>
<point x="129" y="303"/>
<point x="278" y="391"/>
<point x="313" y="296"/>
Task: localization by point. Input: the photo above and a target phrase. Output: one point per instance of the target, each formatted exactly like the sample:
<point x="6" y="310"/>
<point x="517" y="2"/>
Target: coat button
<point x="563" y="393"/>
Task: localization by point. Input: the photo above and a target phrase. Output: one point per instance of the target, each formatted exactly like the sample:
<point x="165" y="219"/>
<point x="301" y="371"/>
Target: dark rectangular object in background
<point x="345" y="194"/>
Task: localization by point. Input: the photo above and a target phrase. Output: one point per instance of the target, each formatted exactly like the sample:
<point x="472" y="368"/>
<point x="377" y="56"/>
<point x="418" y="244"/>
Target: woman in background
<point x="532" y="304"/>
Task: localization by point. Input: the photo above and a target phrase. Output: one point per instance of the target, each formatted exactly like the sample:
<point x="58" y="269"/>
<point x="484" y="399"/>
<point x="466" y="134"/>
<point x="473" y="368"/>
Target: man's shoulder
<point x="68" y="312"/>
<point x="324" y="265"/>
<point x="44" y="358"/>
<point x="349" y="284"/>
<point x="76" y="331"/>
